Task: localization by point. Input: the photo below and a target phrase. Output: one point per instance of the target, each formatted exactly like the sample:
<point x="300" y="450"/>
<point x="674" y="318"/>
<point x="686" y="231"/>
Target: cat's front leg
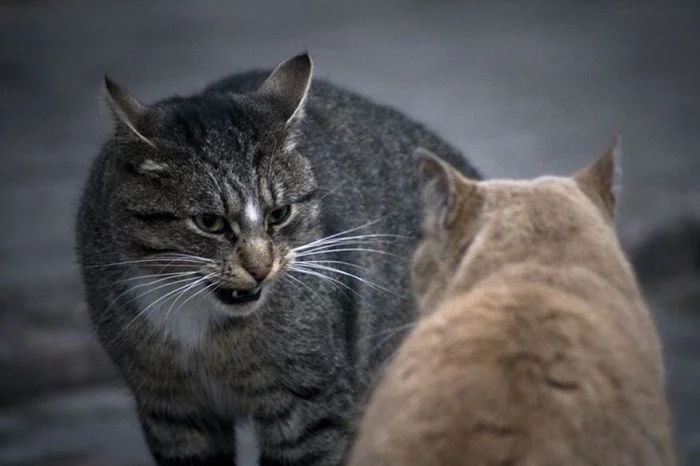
<point x="188" y="438"/>
<point x="321" y="440"/>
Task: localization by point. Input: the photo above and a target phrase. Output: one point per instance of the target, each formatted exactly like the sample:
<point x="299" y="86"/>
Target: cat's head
<point x="211" y="189"/>
<point x="471" y="228"/>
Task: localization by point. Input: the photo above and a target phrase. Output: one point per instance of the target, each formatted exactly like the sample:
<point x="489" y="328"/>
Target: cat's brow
<point x="234" y="195"/>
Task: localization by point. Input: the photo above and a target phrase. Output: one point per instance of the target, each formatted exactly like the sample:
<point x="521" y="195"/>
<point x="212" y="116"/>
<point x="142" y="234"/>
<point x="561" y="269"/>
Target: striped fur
<point x="295" y="360"/>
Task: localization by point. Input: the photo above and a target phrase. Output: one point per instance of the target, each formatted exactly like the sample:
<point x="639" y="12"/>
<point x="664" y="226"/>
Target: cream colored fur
<point x="535" y="347"/>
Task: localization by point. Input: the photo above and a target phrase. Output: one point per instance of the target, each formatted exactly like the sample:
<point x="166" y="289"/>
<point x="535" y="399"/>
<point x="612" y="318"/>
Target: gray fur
<point x="299" y="360"/>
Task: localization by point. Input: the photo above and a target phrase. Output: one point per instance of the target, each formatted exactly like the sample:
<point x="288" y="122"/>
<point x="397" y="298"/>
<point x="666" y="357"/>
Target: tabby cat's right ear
<point x="128" y="111"/>
<point x="288" y="86"/>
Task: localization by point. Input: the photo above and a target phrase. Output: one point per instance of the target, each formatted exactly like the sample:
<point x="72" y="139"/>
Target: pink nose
<point x="259" y="270"/>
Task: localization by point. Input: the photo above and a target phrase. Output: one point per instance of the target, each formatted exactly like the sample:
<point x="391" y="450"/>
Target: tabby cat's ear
<point x="288" y="85"/>
<point x="128" y="110"/>
<point x="600" y="181"/>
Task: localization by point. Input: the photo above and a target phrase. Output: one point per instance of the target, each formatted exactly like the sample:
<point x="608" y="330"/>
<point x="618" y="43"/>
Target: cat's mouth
<point x="232" y="296"/>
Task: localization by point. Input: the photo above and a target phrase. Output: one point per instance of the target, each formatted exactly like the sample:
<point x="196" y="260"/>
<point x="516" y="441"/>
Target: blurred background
<point x="522" y="87"/>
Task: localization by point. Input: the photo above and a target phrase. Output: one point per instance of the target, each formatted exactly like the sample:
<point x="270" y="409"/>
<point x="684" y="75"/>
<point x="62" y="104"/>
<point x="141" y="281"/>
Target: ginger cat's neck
<point x="566" y="242"/>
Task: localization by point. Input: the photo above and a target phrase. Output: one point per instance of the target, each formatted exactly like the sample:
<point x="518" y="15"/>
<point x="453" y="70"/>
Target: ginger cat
<point x="535" y="347"/>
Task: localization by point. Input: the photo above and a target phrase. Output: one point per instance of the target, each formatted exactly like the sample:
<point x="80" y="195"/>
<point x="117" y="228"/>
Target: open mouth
<point x="231" y="296"/>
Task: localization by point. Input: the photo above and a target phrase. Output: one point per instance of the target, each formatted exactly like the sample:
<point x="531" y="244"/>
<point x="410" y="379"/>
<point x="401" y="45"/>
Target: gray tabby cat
<point x="244" y="253"/>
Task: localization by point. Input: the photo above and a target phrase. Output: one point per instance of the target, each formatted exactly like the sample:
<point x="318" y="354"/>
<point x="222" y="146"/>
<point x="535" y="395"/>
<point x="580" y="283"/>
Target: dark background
<point x="523" y="88"/>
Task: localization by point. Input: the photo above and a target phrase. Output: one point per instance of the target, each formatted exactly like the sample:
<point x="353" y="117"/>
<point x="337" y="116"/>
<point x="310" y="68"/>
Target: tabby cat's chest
<point x="227" y="364"/>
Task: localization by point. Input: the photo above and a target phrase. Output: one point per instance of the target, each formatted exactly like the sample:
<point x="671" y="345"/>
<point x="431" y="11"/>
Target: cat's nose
<point x="259" y="271"/>
<point x="256" y="257"/>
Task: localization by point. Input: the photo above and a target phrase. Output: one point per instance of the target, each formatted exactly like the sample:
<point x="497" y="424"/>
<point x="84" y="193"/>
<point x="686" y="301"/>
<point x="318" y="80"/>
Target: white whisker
<point x="184" y="291"/>
<point x="207" y="287"/>
<point x="143" y="311"/>
<point x="374" y="237"/>
<point x="295" y="268"/>
<point x="141" y="285"/>
<point x="347" y="274"/>
<point x="166" y="258"/>
<point x="176" y="262"/>
<point x="344" y="249"/>
<point x="335" y="235"/>
<point x="349" y="264"/>
<point x="301" y="282"/>
<point x="159" y="275"/>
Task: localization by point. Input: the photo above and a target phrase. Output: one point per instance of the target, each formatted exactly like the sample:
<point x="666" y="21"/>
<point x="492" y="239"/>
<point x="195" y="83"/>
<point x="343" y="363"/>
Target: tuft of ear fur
<point x="127" y="110"/>
<point x="600" y="181"/>
<point x="288" y="85"/>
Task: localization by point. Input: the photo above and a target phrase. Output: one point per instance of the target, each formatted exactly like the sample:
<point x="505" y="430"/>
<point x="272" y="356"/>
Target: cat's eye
<point x="210" y="223"/>
<point x="279" y="215"/>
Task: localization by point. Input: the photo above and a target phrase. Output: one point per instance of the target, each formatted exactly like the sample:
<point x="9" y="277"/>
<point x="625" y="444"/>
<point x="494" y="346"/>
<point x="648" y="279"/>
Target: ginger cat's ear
<point x="434" y="177"/>
<point x="600" y="181"/>
<point x="129" y="111"/>
<point x="288" y="85"/>
<point x="439" y="182"/>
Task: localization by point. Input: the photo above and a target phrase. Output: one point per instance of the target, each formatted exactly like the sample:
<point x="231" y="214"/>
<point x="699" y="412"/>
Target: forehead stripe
<point x="251" y="211"/>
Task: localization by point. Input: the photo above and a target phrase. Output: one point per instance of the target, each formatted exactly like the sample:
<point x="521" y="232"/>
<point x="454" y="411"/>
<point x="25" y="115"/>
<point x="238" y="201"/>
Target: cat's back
<point x="519" y="374"/>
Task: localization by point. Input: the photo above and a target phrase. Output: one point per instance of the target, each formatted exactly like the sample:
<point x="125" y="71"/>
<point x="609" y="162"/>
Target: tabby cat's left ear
<point x="129" y="111"/>
<point x="288" y="85"/>
<point x="600" y="181"/>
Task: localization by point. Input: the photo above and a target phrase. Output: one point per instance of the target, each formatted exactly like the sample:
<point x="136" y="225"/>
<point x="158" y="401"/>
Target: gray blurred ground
<point x="523" y="88"/>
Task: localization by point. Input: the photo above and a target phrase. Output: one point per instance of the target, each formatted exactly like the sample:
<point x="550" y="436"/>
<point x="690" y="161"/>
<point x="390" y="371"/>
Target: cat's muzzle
<point x="232" y="296"/>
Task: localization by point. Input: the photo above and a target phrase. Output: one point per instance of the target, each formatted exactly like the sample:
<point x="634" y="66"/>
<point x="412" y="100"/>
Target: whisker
<point x="179" y="262"/>
<point x="332" y="191"/>
<point x="345" y="244"/>
<point x="208" y="286"/>
<point x="373" y="237"/>
<point x="347" y="274"/>
<point x="350" y="230"/>
<point x="165" y="257"/>
<point x="141" y="285"/>
<point x="301" y="282"/>
<point x="344" y="249"/>
<point x="194" y="284"/>
<point x="349" y="264"/>
<point x="185" y="290"/>
<point x="182" y="255"/>
<point x="149" y="291"/>
<point x="313" y="273"/>
<point x="173" y="280"/>
<point x="164" y="275"/>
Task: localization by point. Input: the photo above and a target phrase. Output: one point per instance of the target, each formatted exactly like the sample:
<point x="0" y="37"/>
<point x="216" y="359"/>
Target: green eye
<point x="278" y="215"/>
<point x="210" y="223"/>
